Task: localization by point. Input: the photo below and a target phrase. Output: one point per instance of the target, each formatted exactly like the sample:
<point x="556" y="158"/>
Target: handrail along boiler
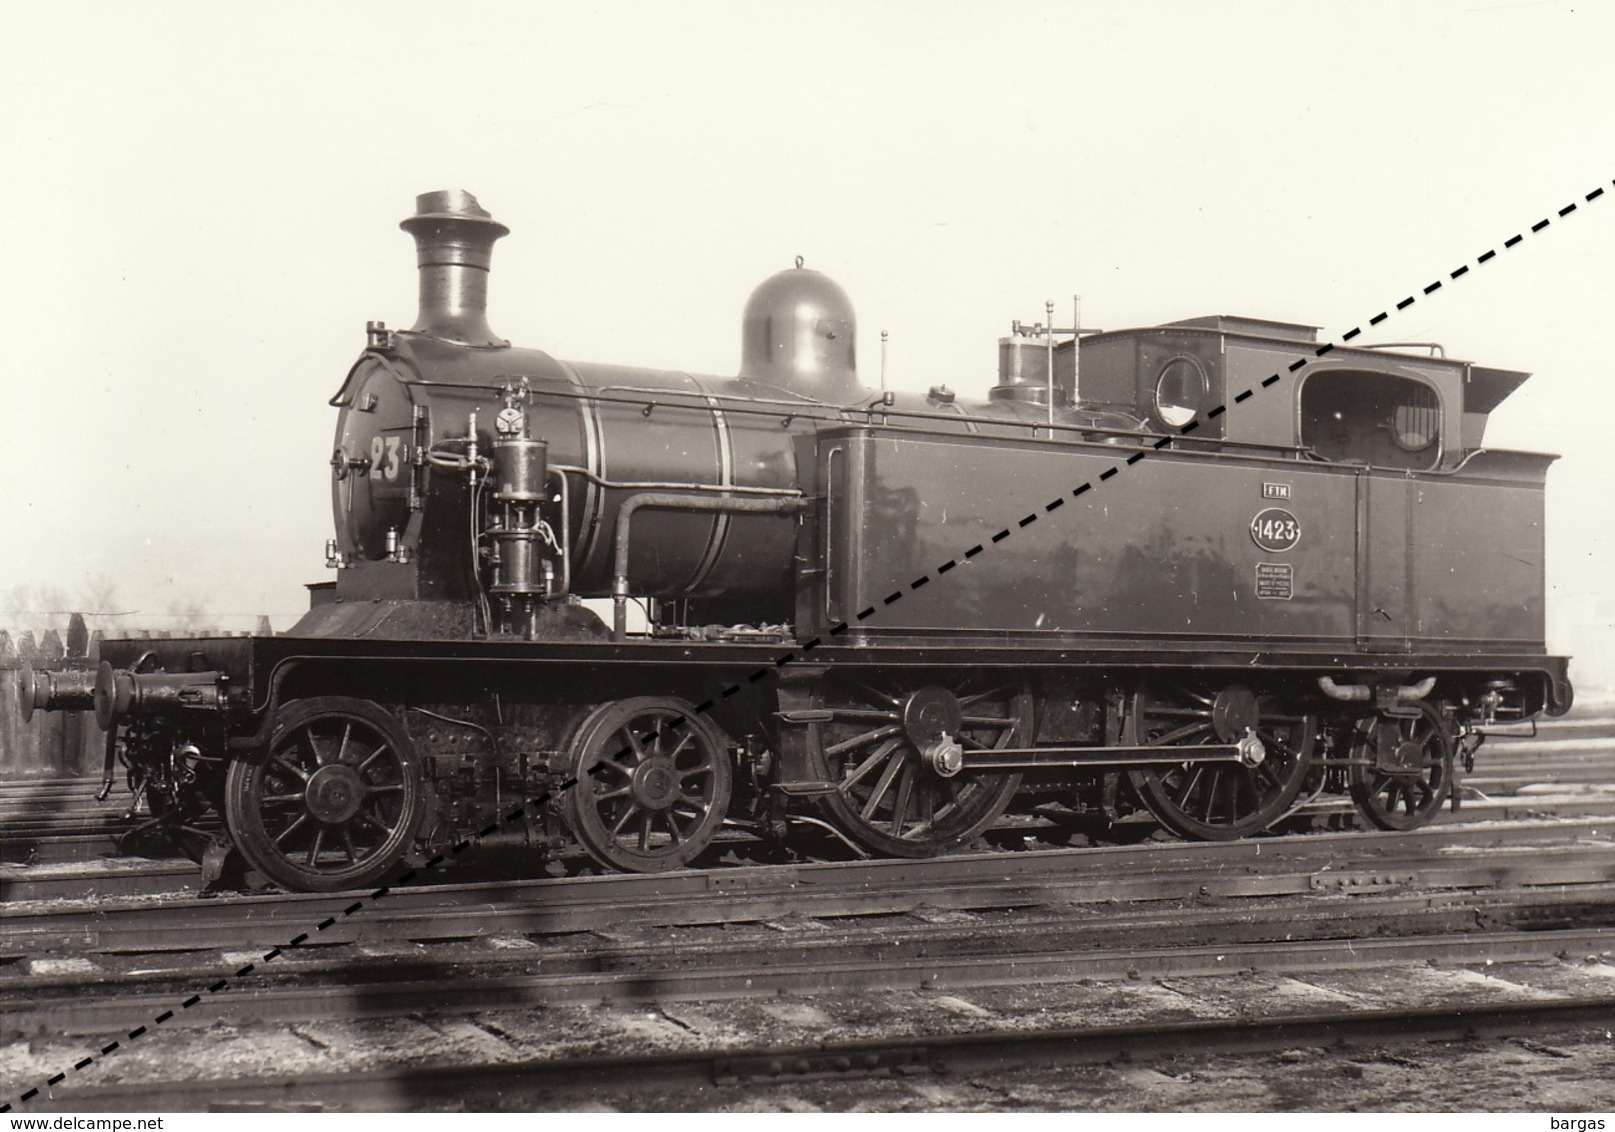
<point x="1333" y="587"/>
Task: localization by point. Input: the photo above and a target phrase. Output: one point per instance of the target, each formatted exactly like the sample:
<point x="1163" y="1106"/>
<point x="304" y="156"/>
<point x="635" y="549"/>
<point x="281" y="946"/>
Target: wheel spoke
<point x="997" y="723"/>
<point x="905" y="789"/>
<point x="295" y="771"/>
<point x="869" y="764"/>
<point x="1172" y="737"/>
<point x="1199" y="697"/>
<point x="342" y="747"/>
<point x="348" y="846"/>
<point x="372" y="757"/>
<point x="635" y="744"/>
<point x="1227" y="788"/>
<point x="973" y="700"/>
<point x="644" y="832"/>
<point x="613" y="766"/>
<point x="312" y="742"/>
<point x="626" y="815"/>
<point x="314" y="849"/>
<point x="302" y="819"/>
<point x="1189" y="788"/>
<point x="885" y="784"/>
<point x="863" y="740"/>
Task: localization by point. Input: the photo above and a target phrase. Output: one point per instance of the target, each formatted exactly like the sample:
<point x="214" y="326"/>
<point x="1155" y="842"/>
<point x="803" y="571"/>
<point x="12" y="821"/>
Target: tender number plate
<point x="1275" y="529"/>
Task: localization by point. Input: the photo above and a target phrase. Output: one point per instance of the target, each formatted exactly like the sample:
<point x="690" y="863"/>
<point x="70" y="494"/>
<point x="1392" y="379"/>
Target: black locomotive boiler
<point x="1209" y="568"/>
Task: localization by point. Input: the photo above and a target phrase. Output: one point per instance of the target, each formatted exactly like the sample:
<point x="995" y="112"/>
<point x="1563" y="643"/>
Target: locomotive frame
<point x="865" y="612"/>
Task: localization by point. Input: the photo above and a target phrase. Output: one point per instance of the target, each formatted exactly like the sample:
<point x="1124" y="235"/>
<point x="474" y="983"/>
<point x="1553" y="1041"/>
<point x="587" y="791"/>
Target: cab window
<point x="1371" y="418"/>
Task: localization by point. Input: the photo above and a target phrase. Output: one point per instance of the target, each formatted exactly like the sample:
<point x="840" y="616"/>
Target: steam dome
<point x="799" y="333"/>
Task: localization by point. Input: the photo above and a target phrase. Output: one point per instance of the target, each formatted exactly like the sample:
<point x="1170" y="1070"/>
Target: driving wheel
<point x="881" y="750"/>
<point x="1221" y="801"/>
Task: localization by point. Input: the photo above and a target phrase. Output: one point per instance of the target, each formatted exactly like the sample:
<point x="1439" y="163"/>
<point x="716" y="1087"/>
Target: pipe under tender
<point x="1362" y="693"/>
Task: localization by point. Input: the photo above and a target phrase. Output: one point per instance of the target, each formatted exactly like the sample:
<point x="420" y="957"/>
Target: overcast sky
<point x="202" y="201"/>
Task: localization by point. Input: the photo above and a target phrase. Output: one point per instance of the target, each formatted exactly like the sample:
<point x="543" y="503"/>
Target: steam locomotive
<point x="1209" y="569"/>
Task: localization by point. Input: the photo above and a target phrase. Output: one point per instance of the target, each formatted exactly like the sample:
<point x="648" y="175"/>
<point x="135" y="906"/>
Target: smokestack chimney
<point x="454" y="239"/>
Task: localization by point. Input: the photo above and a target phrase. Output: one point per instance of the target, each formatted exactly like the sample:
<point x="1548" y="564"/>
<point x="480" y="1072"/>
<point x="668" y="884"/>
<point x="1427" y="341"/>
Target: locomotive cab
<point x="1362" y="405"/>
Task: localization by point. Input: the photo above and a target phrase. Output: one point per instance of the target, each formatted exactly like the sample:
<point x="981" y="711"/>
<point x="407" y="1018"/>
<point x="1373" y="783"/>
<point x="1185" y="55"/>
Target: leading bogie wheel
<point x="1221" y="801"/>
<point x="1401" y="767"/>
<point x="332" y="801"/>
<point x="653" y="784"/>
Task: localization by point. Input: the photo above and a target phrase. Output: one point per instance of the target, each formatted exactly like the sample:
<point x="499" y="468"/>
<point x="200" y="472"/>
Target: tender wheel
<point x="334" y="800"/>
<point x="1221" y="801"/>
<point x="653" y="784"/>
<point x="890" y="799"/>
<point x="1402" y="767"/>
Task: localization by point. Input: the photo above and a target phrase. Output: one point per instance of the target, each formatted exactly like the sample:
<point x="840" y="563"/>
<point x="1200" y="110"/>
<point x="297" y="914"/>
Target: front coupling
<point x="60" y="690"/>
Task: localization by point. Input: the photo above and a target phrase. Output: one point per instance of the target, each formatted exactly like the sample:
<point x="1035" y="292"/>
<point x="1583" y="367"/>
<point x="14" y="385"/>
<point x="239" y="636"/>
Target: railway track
<point x="1475" y="856"/>
<point x="57" y="819"/>
<point x="811" y="957"/>
<point x="62" y="820"/>
<point x="826" y="1066"/>
<point x="741" y="1046"/>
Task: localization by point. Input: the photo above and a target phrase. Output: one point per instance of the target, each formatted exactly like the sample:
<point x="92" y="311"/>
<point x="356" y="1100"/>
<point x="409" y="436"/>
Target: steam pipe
<point x="653" y="485"/>
<point x="668" y="501"/>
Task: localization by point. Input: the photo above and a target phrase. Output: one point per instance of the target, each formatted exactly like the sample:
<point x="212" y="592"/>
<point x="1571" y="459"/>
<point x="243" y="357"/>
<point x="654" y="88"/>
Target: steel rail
<point x="576" y="1078"/>
<point x="1002" y="931"/>
<point x="850" y="889"/>
<point x="1360" y="846"/>
<point x="684" y="977"/>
